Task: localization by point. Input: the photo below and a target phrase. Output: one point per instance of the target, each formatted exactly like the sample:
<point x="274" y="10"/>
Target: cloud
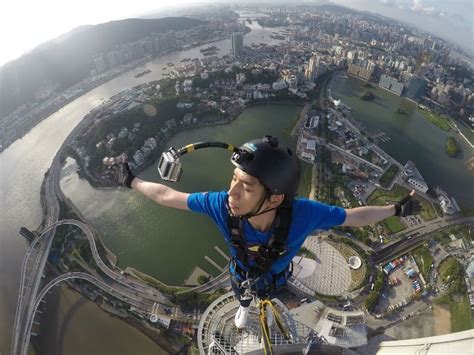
<point x="413" y="5"/>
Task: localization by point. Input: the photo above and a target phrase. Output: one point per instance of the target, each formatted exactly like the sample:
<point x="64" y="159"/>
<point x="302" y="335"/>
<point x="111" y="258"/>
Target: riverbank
<point x="435" y="119"/>
<point x="163" y="145"/>
<point x="154" y="334"/>
<point x="89" y="86"/>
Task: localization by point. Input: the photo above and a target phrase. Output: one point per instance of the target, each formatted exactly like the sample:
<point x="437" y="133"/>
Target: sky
<point x="24" y="24"/>
<point x="448" y="19"/>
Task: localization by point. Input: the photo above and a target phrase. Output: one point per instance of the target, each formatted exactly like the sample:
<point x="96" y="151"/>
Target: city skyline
<point x="433" y="16"/>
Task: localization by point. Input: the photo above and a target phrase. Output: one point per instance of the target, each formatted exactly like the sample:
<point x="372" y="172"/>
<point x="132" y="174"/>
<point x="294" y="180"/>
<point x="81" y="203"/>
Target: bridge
<point x="36" y="256"/>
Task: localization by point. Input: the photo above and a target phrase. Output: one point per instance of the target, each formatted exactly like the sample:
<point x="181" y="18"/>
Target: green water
<point x="412" y="137"/>
<point x="168" y="243"/>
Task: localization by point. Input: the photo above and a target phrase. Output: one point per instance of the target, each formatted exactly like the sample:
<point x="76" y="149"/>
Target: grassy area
<point x="461" y="318"/>
<point x="387" y="177"/>
<point x="459" y="231"/>
<point x="442" y="238"/>
<point x="461" y="315"/>
<point x="393" y="224"/>
<point x="304" y="252"/>
<point x="446" y="267"/>
<point x="327" y="298"/>
<point x="156" y="283"/>
<point x="305" y="182"/>
<point x="424" y="259"/>
<point x="382" y="197"/>
<point x="452" y="274"/>
<point x="438" y="209"/>
<point x="436" y="119"/>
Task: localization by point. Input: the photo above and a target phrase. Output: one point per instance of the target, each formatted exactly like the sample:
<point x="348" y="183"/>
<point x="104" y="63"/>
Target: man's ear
<point x="276" y="200"/>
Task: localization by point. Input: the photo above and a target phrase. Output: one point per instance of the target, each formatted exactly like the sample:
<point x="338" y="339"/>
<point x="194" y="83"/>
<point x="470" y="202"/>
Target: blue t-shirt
<point x="307" y="216"/>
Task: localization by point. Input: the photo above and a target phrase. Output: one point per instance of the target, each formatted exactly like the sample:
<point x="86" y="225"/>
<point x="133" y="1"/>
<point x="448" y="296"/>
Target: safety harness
<point x="265" y="255"/>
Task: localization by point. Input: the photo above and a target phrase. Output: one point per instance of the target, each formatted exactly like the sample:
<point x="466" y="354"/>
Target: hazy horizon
<point x="447" y="21"/>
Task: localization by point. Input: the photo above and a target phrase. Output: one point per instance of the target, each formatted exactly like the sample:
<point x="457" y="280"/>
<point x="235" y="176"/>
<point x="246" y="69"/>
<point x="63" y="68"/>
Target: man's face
<point x="245" y="193"/>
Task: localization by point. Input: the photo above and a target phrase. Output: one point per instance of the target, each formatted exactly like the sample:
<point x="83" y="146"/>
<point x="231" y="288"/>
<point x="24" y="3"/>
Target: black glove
<point x="407" y="206"/>
<point x="123" y="175"/>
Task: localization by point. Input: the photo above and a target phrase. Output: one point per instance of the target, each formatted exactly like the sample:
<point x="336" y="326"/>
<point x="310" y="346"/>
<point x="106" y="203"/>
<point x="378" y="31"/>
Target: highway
<point x="410" y="241"/>
<point x="36" y="257"/>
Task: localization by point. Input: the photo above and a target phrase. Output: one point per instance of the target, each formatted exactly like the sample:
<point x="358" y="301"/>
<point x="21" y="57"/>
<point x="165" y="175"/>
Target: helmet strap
<point x="257" y="213"/>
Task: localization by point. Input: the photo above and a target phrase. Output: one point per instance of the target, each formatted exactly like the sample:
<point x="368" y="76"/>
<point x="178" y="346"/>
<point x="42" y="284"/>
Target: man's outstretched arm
<point x="361" y="216"/>
<point x="161" y="194"/>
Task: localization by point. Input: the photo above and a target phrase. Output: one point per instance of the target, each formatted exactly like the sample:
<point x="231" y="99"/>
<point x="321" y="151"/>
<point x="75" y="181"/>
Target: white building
<point x="418" y="184"/>
<point x="279" y="85"/>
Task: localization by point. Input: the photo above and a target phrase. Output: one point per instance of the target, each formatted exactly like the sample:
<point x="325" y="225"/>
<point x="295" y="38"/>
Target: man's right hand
<point x="124" y="176"/>
<point x="407" y="206"/>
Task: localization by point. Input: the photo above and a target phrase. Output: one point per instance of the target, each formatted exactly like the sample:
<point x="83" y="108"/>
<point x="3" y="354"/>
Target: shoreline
<point x="43" y="116"/>
<point x="163" y="145"/>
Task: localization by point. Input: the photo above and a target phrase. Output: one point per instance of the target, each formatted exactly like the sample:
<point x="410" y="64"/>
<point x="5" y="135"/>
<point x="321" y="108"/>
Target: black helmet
<point x="273" y="163"/>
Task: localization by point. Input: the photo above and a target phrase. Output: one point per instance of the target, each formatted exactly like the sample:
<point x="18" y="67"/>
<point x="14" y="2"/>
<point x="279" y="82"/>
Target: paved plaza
<point x="328" y="274"/>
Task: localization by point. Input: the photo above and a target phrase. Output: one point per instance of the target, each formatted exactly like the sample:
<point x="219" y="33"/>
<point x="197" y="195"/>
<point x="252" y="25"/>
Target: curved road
<point x="25" y="310"/>
<point x="126" y="297"/>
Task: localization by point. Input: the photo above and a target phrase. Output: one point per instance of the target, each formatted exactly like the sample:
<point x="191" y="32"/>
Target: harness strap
<point x="267" y="254"/>
<point x="277" y="245"/>
<point x="235" y="225"/>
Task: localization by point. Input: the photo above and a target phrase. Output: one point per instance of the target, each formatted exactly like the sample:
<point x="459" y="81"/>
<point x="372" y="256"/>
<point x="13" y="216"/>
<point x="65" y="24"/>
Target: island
<point x="400" y="111"/>
<point x="367" y="96"/>
<point x="452" y="147"/>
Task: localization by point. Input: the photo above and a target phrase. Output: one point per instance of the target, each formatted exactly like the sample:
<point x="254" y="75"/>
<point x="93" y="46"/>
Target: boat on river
<point x="148" y="71"/>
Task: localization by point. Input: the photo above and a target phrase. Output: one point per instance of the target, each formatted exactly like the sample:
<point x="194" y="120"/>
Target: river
<point x="22" y="167"/>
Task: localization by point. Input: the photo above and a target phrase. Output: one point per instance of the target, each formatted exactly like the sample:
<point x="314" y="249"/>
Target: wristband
<point x="129" y="178"/>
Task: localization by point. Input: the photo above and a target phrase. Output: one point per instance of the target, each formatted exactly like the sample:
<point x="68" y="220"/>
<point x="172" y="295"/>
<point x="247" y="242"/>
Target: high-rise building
<point x="388" y="83"/>
<point x="416" y="88"/>
<point x="237" y="43"/>
<point x="360" y="70"/>
<point x="100" y="64"/>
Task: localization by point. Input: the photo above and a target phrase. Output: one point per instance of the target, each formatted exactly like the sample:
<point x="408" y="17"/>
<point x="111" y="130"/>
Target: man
<point x="260" y="218"/>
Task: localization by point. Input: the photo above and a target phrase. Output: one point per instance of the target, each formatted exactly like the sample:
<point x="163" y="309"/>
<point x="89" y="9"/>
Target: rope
<point x="265" y="329"/>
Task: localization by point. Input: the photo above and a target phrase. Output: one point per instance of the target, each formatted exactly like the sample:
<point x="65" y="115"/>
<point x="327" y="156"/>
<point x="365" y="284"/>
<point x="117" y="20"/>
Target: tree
<point x="202" y="279"/>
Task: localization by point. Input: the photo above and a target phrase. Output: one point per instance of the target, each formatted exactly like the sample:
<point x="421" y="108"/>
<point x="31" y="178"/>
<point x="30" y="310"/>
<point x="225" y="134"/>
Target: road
<point x="410" y="241"/>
